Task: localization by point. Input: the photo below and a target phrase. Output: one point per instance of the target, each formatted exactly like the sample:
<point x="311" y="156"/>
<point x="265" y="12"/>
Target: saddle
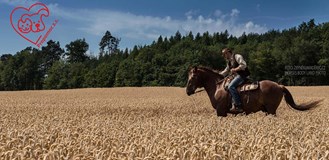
<point x="248" y="85"/>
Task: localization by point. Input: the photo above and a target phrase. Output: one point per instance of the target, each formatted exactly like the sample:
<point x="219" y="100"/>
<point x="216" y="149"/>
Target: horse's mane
<point x="208" y="69"/>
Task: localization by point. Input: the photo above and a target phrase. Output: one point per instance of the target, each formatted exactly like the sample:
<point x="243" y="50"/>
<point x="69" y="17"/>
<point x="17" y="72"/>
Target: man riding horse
<point x="237" y="66"/>
<point x="266" y="97"/>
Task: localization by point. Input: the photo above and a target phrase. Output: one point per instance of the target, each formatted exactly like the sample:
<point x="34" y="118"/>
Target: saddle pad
<point x="249" y="87"/>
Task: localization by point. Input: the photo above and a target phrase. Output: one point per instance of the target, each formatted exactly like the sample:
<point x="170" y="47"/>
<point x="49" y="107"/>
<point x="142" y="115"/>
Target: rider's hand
<point x="233" y="70"/>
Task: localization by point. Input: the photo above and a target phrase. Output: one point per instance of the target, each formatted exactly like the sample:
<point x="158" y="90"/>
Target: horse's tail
<point x="291" y="102"/>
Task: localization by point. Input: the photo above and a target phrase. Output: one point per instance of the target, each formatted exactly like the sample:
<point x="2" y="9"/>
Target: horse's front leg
<point x="221" y="102"/>
<point x="221" y="111"/>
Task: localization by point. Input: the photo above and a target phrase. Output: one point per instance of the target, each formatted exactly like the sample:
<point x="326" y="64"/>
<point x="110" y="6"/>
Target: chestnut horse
<point x="266" y="98"/>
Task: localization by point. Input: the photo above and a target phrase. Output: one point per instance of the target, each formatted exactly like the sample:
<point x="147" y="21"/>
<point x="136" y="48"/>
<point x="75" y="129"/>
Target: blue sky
<point x="139" y="22"/>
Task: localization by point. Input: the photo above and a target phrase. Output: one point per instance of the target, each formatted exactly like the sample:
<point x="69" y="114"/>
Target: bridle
<point x="201" y="90"/>
<point x="225" y="78"/>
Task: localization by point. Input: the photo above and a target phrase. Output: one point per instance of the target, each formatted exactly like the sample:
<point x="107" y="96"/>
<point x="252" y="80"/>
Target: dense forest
<point x="295" y="56"/>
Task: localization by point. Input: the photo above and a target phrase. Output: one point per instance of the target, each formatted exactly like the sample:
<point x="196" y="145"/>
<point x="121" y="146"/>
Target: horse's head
<point x="202" y="77"/>
<point x="193" y="81"/>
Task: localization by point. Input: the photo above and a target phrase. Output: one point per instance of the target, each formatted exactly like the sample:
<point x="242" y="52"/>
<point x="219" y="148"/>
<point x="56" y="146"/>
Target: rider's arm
<point x="242" y="63"/>
<point x="226" y="71"/>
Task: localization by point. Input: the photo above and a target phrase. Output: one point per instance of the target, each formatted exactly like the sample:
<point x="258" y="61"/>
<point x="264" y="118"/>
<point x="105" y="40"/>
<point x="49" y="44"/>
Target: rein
<point x="196" y="93"/>
<point x="201" y="90"/>
<point x="230" y="76"/>
<point x="221" y="81"/>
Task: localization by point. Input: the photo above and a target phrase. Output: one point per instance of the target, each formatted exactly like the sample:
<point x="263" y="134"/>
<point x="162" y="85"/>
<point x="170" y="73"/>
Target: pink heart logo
<point x="29" y="22"/>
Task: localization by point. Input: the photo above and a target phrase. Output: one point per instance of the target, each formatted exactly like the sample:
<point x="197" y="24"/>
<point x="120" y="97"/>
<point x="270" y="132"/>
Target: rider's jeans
<point x="232" y="87"/>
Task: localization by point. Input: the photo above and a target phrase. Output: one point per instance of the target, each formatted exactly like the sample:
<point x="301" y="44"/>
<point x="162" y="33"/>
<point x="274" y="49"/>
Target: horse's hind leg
<point x="272" y="97"/>
<point x="263" y="108"/>
<point x="271" y="107"/>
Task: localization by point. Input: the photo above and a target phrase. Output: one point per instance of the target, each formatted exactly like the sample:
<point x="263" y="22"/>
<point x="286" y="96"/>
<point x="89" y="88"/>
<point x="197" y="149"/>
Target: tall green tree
<point x="108" y="44"/>
<point x="76" y="51"/>
<point x="128" y="74"/>
<point x="76" y="75"/>
<point x="9" y="79"/>
<point x="262" y="63"/>
<point x="57" y="77"/>
<point x="51" y="53"/>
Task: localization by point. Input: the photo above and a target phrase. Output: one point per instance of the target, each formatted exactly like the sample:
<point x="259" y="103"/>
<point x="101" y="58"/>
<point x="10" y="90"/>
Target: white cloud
<point x="235" y="12"/>
<point x="144" y="29"/>
<point x="97" y="21"/>
<point x="191" y="13"/>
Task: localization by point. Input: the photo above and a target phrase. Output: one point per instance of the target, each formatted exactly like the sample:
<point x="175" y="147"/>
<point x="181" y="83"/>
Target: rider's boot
<point x="236" y="109"/>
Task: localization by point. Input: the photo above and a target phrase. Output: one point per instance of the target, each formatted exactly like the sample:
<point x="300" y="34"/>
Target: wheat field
<point x="155" y="123"/>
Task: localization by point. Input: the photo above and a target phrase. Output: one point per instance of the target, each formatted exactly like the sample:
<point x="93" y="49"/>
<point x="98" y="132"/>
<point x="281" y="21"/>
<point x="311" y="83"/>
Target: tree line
<point x="295" y="56"/>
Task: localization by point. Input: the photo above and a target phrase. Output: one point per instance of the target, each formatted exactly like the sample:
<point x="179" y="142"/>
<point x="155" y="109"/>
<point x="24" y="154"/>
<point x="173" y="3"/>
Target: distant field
<point x="155" y="123"/>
